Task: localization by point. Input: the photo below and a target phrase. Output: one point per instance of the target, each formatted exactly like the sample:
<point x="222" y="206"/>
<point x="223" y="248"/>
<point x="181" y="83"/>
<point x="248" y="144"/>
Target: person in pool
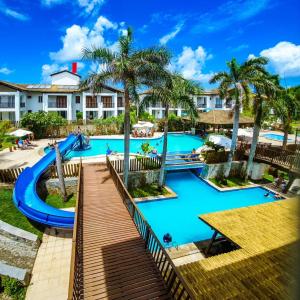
<point x="167" y="238"/>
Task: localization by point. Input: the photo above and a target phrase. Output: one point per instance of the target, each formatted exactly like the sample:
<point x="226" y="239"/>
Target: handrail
<point x="174" y="282"/>
<point x="74" y="280"/>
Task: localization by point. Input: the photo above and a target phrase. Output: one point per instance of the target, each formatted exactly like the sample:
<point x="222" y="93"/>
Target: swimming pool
<point x="176" y="143"/>
<point x="179" y="217"/>
<point x="274" y="136"/>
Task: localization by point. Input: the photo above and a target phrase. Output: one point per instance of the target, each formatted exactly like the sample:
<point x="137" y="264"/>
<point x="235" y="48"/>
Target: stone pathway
<point x="51" y="270"/>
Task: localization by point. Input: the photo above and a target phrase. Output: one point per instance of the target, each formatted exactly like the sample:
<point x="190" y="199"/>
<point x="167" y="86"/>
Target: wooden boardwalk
<point x="115" y="263"/>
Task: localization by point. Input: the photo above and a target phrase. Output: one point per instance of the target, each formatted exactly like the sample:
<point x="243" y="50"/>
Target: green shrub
<point x="12" y="288"/>
<point x="175" y="123"/>
<point x="43" y="124"/>
<point x="79" y="115"/>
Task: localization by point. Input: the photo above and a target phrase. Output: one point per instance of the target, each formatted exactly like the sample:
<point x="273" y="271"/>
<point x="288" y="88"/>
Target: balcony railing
<point x="57" y="105"/>
<point x="7" y="104"/>
<point x="201" y="105"/>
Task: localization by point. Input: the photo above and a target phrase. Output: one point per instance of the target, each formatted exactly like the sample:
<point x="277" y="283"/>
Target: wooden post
<point x="211" y="242"/>
<point x="60" y="173"/>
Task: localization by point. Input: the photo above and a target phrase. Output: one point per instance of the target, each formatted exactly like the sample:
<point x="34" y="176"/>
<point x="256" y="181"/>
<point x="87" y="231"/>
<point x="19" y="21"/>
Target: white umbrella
<point x="244" y="132"/>
<point x="20" y="132"/>
<point x="138" y="126"/>
<point x="220" y="140"/>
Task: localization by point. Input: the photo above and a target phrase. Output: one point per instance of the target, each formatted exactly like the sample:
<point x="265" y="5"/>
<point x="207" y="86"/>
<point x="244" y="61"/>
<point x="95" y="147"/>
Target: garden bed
<point x="230" y="182"/>
<point x="149" y="190"/>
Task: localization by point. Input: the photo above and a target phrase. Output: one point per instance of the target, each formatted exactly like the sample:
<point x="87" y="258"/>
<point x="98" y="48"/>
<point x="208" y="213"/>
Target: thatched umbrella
<point x="222" y="118"/>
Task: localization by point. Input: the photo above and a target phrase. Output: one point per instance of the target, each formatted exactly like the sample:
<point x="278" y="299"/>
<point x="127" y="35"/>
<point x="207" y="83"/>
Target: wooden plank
<point x="115" y="263"/>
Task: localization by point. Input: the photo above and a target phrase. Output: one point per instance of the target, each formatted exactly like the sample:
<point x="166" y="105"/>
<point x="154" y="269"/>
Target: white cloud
<point x="52" y="2"/>
<point x="4" y="9"/>
<point x="250" y="56"/>
<point x="166" y="38"/>
<point x="191" y="62"/>
<point x="285" y="58"/>
<point x="89" y="6"/>
<point x="77" y="38"/>
<point x="5" y="71"/>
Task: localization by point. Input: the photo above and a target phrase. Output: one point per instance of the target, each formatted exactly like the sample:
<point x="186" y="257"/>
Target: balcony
<point x="57" y="102"/>
<point x="218" y="106"/>
<point x="7" y="104"/>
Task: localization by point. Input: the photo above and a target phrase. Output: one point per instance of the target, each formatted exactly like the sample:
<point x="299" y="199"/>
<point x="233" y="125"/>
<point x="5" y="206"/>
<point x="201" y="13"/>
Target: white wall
<point x="65" y="78"/>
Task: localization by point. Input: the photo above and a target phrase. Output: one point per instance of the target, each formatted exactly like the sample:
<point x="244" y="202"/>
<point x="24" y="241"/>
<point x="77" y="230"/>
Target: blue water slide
<point x="28" y="202"/>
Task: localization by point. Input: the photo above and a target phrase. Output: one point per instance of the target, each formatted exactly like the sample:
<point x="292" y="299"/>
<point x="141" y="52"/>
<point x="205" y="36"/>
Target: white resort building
<point x="65" y="96"/>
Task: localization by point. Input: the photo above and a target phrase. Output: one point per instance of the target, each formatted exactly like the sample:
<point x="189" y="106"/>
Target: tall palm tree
<point x="235" y="83"/>
<point x="130" y="68"/>
<point x="286" y="108"/>
<point x="173" y="92"/>
<point x="265" y="89"/>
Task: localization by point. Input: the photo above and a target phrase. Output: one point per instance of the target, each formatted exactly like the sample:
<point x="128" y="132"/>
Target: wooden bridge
<point x="180" y="161"/>
<point x="283" y="159"/>
<point x="115" y="253"/>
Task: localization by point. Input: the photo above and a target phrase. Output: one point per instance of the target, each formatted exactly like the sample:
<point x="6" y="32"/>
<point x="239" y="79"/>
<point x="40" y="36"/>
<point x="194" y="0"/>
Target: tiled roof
<point x="48" y="88"/>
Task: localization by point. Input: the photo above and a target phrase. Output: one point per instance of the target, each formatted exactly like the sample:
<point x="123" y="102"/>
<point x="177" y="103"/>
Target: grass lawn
<point x="56" y="200"/>
<point x="10" y="214"/>
<point x="231" y="182"/>
<point x="147" y="191"/>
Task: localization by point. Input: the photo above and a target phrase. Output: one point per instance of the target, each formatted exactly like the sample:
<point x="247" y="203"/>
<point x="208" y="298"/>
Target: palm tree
<point x="286" y="108"/>
<point x="235" y="83"/>
<point x="130" y="68"/>
<point x="173" y="92"/>
<point x="265" y="88"/>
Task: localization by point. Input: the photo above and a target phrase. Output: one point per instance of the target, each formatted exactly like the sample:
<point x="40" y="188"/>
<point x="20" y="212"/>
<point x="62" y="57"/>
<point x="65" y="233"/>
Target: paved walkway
<point x="51" y="270"/>
<point x="115" y="262"/>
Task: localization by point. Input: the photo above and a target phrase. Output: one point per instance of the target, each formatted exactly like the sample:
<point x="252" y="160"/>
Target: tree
<point x="175" y="91"/>
<point x="265" y="89"/>
<point x="286" y="107"/>
<point x="235" y="83"/>
<point x="130" y="68"/>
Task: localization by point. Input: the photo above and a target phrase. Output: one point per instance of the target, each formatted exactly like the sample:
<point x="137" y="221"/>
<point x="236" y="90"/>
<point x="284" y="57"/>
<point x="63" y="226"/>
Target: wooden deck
<point x="115" y="263"/>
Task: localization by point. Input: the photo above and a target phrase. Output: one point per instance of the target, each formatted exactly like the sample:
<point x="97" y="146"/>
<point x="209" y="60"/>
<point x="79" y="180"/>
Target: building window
<point x="107" y="101"/>
<point x="229" y="103"/>
<point x="77" y="99"/>
<point x="29" y="111"/>
<point x="91" y="102"/>
<point x="28" y="96"/>
<point x="40" y="99"/>
<point x="201" y="102"/>
<point x="218" y="103"/>
<point x="120" y="102"/>
<point x="7" y="101"/>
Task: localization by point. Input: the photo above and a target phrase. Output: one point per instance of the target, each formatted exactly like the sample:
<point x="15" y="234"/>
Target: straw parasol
<point x="222" y="117"/>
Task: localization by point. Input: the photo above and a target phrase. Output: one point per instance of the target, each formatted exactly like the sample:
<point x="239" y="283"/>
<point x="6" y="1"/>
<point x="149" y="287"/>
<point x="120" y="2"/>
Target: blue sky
<point x="39" y="37"/>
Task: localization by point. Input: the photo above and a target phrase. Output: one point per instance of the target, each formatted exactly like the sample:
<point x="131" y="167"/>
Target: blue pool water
<point x="176" y="143"/>
<point x="179" y="217"/>
<point x="273" y="136"/>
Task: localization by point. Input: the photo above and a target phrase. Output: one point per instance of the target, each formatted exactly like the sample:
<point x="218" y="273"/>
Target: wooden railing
<point x="11" y="175"/>
<point x="172" y="278"/>
<point x="76" y="270"/>
<point x="69" y="170"/>
<point x="137" y="164"/>
<point x="282" y="158"/>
